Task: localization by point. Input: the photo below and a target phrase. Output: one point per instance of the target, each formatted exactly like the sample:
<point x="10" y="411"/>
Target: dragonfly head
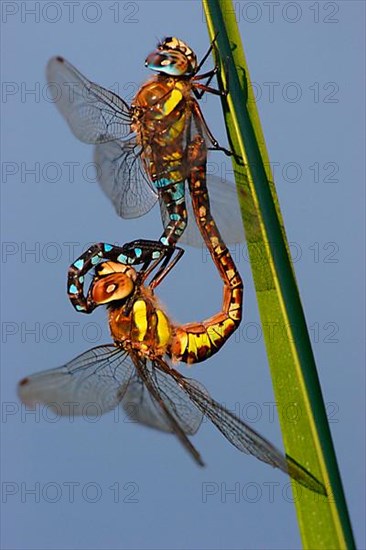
<point x="172" y="57"/>
<point x="112" y="282"/>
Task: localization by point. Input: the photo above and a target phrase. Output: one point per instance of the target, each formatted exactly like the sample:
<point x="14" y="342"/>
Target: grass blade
<point x="324" y="522"/>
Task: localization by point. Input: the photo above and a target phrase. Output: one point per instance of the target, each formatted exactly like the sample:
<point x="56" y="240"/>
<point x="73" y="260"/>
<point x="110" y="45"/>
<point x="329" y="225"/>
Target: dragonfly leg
<point x="200" y="89"/>
<point x="156" y="253"/>
<point x="208" y="89"/>
<point x="166" y="266"/>
<point x="209" y="75"/>
<point x="205" y="57"/>
<point x="202" y="124"/>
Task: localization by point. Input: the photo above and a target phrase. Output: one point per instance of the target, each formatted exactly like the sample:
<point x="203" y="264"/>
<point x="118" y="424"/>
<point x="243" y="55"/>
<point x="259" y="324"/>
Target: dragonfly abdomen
<point x="195" y="342"/>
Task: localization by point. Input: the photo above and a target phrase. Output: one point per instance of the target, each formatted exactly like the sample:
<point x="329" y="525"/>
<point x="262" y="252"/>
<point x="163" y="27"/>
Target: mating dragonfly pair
<point x="147" y="152"/>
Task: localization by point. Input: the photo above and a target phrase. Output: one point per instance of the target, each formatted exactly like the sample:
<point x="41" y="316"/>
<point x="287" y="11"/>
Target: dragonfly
<point x="137" y="372"/>
<point x="155" y="251"/>
<point x="147" y="151"/>
<point x="201" y="340"/>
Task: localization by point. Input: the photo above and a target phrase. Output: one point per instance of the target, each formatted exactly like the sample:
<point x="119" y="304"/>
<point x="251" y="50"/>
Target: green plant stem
<point x="324" y="522"/>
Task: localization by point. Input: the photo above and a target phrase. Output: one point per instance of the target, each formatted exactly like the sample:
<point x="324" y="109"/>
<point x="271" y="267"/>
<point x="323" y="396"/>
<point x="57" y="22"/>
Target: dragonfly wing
<point x="142" y="407"/>
<point x="94" y="114"/>
<point x="225" y="211"/>
<point x="122" y="177"/>
<point x="179" y="416"/>
<point x="98" y="377"/>
<point x="247" y="440"/>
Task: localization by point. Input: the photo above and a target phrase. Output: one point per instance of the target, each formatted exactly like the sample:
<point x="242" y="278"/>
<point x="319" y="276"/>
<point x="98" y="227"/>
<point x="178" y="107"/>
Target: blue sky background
<point x="318" y="143"/>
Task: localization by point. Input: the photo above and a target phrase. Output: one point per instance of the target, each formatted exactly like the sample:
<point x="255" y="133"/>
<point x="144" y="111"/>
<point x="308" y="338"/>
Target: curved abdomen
<point x="194" y="342"/>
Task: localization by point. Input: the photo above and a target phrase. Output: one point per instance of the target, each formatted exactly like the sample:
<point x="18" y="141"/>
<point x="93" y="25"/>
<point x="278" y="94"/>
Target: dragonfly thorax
<point x="162" y="97"/>
<point x="141" y="325"/>
<point x="164" y="111"/>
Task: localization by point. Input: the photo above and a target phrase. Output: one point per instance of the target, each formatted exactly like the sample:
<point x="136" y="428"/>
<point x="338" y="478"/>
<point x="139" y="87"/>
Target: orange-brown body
<point x="162" y="110"/>
<point x="137" y="320"/>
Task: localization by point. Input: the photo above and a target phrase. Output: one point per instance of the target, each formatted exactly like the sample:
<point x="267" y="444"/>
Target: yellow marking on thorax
<point x="174" y="159"/>
<point x="174" y="156"/>
<point x="170" y="104"/>
<point x="163" y="328"/>
<point x="140" y="318"/>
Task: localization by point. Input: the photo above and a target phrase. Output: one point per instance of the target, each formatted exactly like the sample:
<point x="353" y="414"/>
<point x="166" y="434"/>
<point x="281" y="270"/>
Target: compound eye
<point x="111" y="288"/>
<point x="166" y="62"/>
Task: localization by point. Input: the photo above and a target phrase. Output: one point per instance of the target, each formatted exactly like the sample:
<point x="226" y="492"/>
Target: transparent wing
<point x="225" y="211"/>
<point x="244" y="438"/>
<point x="94" y="114"/>
<point x="161" y="404"/>
<point x="122" y="177"/>
<point x="143" y="408"/>
<point x="99" y="376"/>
